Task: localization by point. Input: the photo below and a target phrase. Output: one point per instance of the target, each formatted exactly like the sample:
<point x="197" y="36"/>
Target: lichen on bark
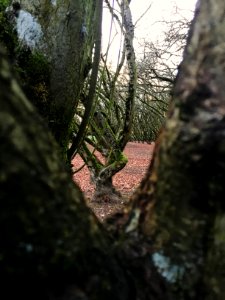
<point x="69" y="51"/>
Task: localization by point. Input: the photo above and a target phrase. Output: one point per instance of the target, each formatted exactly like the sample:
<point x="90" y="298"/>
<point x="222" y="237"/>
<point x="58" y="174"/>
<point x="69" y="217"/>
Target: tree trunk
<point x="104" y="189"/>
<point x="103" y="180"/>
<point x="51" y="245"/>
<point x="40" y="234"/>
<point x="68" y="41"/>
<point x="182" y="197"/>
<point x="102" y="173"/>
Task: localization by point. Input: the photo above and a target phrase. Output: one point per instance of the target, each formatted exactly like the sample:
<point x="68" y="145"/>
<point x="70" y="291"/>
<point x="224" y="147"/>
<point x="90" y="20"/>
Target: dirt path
<point x="126" y="181"/>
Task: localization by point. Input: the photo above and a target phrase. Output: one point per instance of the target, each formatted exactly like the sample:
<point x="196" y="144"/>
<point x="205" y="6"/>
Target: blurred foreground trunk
<point x="182" y="198"/>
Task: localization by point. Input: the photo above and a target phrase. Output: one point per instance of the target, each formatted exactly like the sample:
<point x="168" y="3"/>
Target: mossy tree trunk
<point x="182" y="198"/>
<point x="69" y="34"/>
<point x="104" y="188"/>
<point x="102" y="172"/>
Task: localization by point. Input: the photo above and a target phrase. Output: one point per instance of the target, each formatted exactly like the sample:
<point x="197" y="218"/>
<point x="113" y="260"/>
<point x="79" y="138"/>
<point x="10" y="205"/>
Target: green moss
<point x="31" y="68"/>
<point x="117" y="157"/>
<point x="123" y="158"/>
<point x="4" y="4"/>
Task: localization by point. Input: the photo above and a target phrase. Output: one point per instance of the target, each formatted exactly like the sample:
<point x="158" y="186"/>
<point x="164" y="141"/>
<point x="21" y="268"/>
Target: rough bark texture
<point x="186" y="212"/>
<point x="102" y="174"/>
<point x="131" y="61"/>
<point x="68" y="42"/>
<point x="51" y="246"/>
<point x="36" y="241"/>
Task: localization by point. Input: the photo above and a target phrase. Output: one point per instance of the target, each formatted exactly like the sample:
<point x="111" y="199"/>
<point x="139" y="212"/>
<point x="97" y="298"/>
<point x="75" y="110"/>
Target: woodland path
<point x="126" y="181"/>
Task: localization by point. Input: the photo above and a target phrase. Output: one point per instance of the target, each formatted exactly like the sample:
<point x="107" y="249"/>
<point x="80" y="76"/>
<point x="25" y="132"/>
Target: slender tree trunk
<point x="89" y="101"/>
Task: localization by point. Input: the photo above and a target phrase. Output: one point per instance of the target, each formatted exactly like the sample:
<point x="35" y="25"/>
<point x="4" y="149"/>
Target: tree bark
<point x="182" y="197"/>
<point x="69" y="33"/>
<point x="40" y="232"/>
<point x="102" y="174"/>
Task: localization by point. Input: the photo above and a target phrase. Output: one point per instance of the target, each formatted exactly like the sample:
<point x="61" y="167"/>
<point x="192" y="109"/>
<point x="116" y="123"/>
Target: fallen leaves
<point x="127" y="180"/>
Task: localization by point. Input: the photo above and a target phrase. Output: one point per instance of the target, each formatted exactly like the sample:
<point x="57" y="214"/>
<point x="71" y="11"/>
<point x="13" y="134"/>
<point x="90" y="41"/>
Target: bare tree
<point x="181" y="199"/>
<point x="110" y="127"/>
<point x="156" y="70"/>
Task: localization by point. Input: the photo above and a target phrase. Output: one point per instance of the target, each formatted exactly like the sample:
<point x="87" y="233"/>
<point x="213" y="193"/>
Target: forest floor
<point x="126" y="181"/>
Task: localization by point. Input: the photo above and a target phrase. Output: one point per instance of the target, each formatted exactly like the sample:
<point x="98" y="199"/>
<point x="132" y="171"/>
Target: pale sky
<point x="160" y="9"/>
<point x="149" y="27"/>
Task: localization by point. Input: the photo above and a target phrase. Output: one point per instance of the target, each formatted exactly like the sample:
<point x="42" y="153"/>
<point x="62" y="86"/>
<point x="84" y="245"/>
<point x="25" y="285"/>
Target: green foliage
<point x="3" y="4"/>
